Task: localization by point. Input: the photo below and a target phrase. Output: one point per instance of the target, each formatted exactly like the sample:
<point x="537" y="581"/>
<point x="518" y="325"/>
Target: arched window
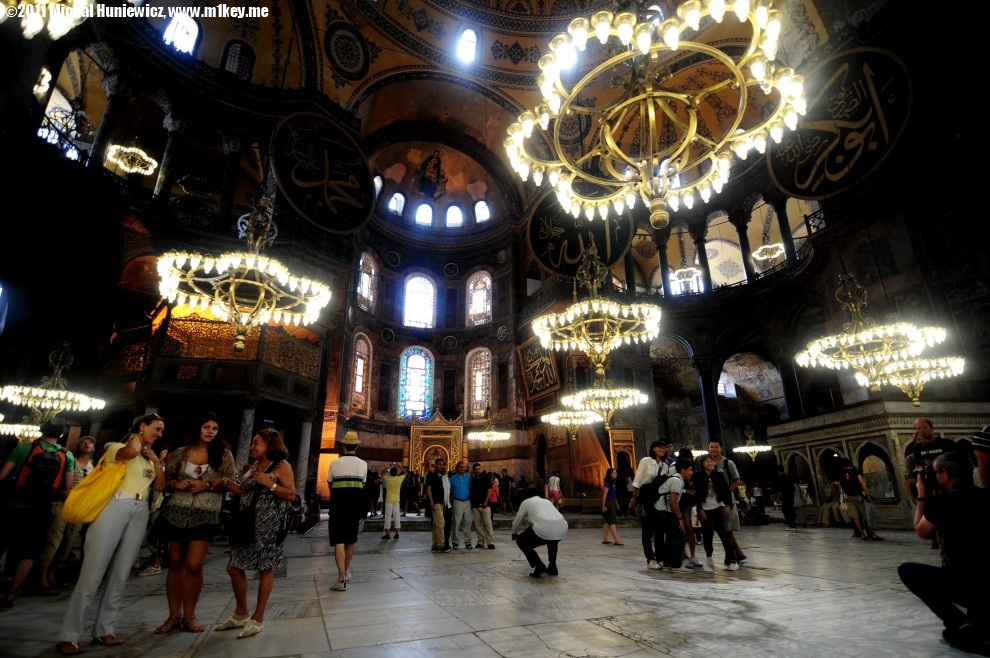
<point x="359" y="376"/>
<point x="420" y="303"/>
<point x="415" y="384"/>
<point x="479" y="381"/>
<point x="482" y="213"/>
<point x="182" y="33"/>
<point x="455" y="217"/>
<point x="466" y="46"/>
<point x="396" y="204"/>
<point x="479" y="299"/>
<point x="424" y="215"/>
<point x="238" y="58"/>
<point x="367" y="291"/>
<point x="379" y="183"/>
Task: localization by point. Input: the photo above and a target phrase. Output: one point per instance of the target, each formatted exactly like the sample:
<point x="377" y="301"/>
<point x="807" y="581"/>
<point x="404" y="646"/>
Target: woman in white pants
<point x="117" y="533"/>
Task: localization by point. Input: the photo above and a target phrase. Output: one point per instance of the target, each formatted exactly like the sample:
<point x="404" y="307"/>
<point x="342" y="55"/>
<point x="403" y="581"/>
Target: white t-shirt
<point x="673" y="485"/>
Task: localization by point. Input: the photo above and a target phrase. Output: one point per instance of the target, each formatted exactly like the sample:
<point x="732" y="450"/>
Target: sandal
<point x="170" y="625"/>
<point x="69" y="649"/>
<point x="108" y="640"/>
<point x="618" y="544"/>
<point x="192" y="625"/>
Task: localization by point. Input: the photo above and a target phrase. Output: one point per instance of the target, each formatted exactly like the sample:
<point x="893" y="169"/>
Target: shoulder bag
<point x="88" y="498"/>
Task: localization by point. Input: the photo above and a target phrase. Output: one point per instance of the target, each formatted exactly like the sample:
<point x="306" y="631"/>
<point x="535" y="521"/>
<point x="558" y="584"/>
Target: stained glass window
<point x="359" y="383"/>
<point x="479" y="295"/>
<point x="479" y="378"/>
<point x="415" y="384"/>
<point x="420" y="302"/>
<point x="367" y="291"/>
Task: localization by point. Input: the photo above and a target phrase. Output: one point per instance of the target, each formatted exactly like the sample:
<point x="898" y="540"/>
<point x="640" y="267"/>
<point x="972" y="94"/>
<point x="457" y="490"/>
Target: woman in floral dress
<point x="270" y="481"/>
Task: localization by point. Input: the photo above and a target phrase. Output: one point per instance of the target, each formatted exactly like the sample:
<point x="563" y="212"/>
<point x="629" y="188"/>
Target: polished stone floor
<point x="815" y="592"/>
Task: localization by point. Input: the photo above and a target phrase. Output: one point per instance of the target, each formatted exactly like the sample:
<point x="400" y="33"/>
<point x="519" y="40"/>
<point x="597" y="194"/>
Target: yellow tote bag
<point x="88" y="498"/>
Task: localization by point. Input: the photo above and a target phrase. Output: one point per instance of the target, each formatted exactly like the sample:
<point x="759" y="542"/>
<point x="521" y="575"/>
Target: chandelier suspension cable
<point x="247" y="289"/>
<point x="488" y="436"/>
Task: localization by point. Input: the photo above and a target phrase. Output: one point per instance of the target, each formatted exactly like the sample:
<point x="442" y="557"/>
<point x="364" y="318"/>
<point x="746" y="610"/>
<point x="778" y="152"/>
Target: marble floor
<point x="815" y="592"/>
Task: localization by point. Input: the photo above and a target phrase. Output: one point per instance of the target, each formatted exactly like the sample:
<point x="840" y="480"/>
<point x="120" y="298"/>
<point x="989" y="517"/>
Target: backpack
<point x="40" y="478"/>
<point x="649" y="492"/>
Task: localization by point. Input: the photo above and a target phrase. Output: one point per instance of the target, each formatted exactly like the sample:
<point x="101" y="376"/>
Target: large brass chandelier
<point x="48" y="400"/>
<point x="246" y="289"/>
<point x="57" y="16"/>
<point x="572" y="419"/>
<point x="871" y="350"/>
<point x="488" y="436"/>
<point x="752" y="448"/>
<point x="604" y="400"/>
<point x="666" y="110"/>
<point x="596" y="325"/>
<point x="911" y="375"/>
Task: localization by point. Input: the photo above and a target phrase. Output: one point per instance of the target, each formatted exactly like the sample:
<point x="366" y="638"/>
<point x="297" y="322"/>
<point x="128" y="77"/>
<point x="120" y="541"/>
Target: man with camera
<point x="957" y="513"/>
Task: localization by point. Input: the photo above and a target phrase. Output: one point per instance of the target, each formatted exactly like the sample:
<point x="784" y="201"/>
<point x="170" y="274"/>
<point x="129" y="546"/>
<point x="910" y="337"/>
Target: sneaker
<point x="233" y="621"/>
<point x="709" y="565"/>
<point x="396" y="535"/>
<point x="455" y="546"/>
<point x="551" y="570"/>
<point x="251" y="627"/>
<point x="479" y="545"/>
<point x="386" y="536"/>
<point x="468" y="546"/>
<point x="443" y="549"/>
<point x="653" y="564"/>
<point x="790" y="529"/>
<point x="680" y="569"/>
<point x="491" y="547"/>
<point x="732" y="566"/>
<point x="150" y="570"/>
<point x="695" y="562"/>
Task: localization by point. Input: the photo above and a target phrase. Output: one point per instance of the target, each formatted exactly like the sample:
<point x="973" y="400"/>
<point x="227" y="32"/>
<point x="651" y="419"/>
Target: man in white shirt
<point x="538" y="523"/>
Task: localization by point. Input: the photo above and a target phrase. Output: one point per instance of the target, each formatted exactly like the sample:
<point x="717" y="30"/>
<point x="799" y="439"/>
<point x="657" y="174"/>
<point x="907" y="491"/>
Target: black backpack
<point x="40" y="478"/>
<point x="649" y="492"/>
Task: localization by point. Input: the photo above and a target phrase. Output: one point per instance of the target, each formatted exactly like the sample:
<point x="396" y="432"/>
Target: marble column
<point x="245" y="435"/>
<point x="779" y="203"/>
<point x="709" y="398"/>
<point x="302" y="459"/>
<point x="792" y="388"/>
<point x="740" y="219"/>
<point x="698" y="233"/>
<point x="660" y="239"/>
<point x="630" y="268"/>
<point x="118" y="93"/>
<point x="176" y="128"/>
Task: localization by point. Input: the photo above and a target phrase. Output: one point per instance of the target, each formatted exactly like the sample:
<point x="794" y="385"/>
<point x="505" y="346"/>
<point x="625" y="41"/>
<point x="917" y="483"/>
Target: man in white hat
<point x="347" y="506"/>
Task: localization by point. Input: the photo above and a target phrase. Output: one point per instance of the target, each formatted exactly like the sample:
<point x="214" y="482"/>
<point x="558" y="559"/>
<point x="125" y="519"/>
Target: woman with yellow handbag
<point x="114" y="539"/>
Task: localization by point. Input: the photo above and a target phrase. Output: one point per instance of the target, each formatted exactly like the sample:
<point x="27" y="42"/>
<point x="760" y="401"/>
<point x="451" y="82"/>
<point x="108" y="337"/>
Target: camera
<point x="926" y="474"/>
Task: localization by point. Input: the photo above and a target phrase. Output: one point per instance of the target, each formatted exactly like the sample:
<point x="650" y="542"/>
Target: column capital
<point x="174" y="123"/>
<point x="116" y="87"/>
